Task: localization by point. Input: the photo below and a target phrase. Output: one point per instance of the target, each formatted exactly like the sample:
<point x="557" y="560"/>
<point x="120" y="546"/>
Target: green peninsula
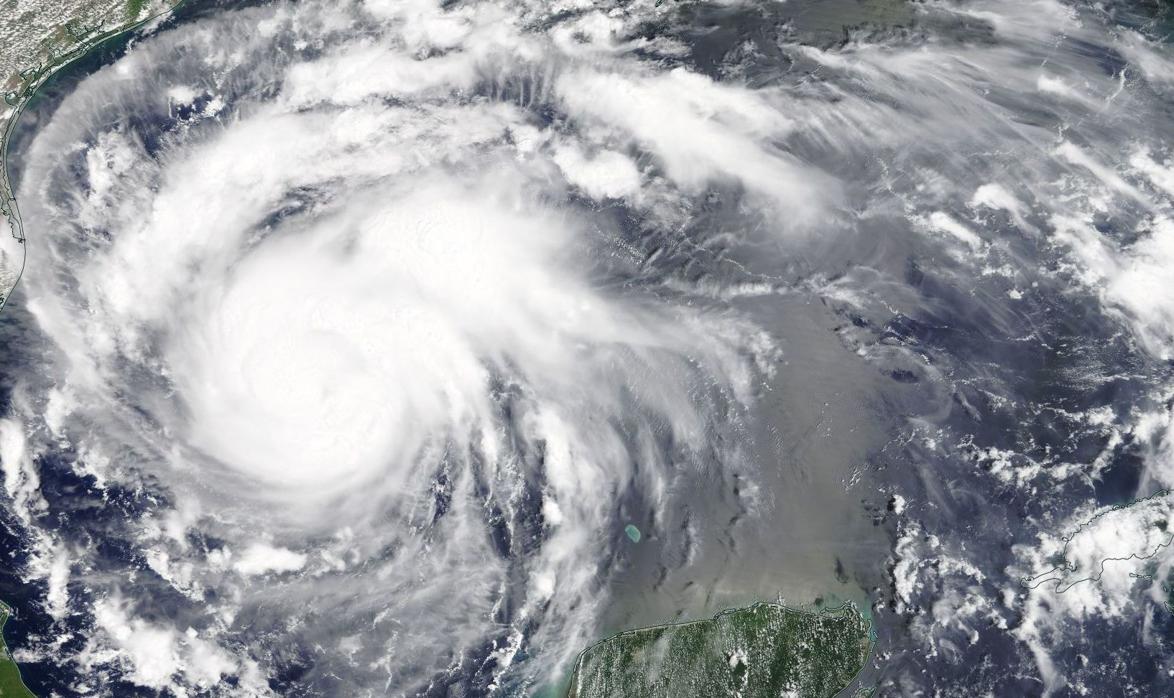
<point x="763" y="650"/>
<point x="11" y="685"/>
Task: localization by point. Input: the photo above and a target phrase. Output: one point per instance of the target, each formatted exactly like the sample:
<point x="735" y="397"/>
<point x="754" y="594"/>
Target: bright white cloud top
<point x="366" y="300"/>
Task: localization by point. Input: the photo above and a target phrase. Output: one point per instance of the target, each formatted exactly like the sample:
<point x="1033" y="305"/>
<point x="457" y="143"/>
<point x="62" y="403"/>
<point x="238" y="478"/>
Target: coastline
<point x="13" y="250"/>
<point x="11" y="682"/>
<point x="847" y="610"/>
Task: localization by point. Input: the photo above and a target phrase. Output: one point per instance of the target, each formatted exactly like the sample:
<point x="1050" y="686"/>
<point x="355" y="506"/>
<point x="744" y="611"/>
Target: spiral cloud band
<point x="372" y="288"/>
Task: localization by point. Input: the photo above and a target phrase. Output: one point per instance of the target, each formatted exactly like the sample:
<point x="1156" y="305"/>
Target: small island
<point x="763" y="650"/>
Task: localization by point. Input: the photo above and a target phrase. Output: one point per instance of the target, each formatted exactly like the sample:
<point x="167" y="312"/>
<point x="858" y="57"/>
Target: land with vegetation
<point x="763" y="650"/>
<point x="11" y="685"/>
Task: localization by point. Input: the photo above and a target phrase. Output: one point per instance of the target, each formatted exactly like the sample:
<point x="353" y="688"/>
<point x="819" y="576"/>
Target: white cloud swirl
<point x="357" y="305"/>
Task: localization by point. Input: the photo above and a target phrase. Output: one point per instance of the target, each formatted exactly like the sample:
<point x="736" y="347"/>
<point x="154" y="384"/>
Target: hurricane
<point x="354" y="336"/>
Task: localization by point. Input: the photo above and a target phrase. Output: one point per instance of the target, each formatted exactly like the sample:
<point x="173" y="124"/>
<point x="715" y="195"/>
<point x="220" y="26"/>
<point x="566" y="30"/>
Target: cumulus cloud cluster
<point x="1035" y="164"/>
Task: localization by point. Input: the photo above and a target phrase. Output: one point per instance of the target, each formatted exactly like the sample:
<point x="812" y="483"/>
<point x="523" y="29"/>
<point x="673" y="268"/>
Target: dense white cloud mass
<point x="373" y="321"/>
<point x="361" y="312"/>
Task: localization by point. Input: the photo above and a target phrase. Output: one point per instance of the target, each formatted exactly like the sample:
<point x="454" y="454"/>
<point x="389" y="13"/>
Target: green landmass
<point x="764" y="650"/>
<point x="11" y="685"/>
<point x="134" y="8"/>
